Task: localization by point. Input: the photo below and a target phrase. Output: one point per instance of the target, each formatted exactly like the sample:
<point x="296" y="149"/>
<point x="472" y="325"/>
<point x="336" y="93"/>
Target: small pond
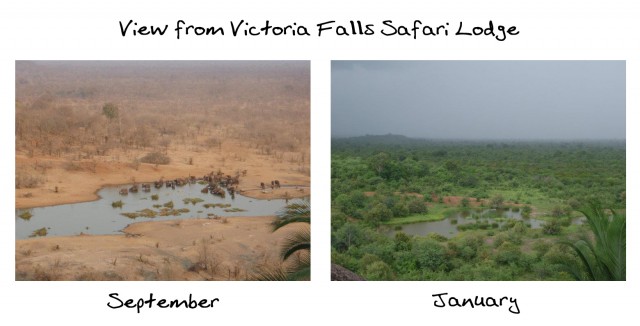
<point x="100" y="217"/>
<point x="449" y="226"/>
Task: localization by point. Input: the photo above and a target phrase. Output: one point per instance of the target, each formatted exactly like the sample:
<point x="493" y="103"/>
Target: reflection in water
<point x="449" y="226"/>
<point x="100" y="217"/>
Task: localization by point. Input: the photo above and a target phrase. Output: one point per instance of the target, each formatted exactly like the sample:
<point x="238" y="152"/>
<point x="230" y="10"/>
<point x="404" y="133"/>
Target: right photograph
<point x="478" y="170"/>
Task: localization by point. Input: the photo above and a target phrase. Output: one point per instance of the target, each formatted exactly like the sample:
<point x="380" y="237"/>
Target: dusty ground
<point x="83" y="125"/>
<point x="169" y="250"/>
<point x="197" y="249"/>
<point x="82" y="183"/>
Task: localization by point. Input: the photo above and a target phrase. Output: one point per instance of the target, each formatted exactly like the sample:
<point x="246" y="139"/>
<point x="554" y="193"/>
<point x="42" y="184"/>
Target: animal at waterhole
<point x="232" y="180"/>
<point x="216" y="183"/>
<point x="218" y="192"/>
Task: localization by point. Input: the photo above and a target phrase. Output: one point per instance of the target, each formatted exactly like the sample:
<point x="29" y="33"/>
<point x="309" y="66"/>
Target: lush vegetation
<point x="380" y="183"/>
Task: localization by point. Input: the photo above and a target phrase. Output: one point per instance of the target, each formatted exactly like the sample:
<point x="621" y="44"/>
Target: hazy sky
<point x="479" y="99"/>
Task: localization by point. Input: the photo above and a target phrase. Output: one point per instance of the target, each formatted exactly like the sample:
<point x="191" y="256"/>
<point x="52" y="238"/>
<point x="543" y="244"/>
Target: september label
<point x="139" y="303"/>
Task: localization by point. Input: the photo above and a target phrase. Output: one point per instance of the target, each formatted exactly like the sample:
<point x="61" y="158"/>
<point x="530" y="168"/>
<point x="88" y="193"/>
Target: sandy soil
<point x="81" y="126"/>
<point x="82" y="183"/>
<point x="197" y="249"/>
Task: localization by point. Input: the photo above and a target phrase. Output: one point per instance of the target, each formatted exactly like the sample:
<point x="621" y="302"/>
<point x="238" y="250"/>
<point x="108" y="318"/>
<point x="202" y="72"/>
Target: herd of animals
<point x="216" y="183"/>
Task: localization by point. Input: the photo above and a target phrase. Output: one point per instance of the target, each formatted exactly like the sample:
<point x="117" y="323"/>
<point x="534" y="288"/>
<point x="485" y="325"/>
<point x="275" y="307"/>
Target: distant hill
<point x="401" y="140"/>
<point x="388" y="139"/>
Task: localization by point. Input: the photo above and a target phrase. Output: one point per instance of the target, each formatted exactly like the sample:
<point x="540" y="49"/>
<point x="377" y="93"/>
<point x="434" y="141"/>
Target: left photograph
<point x="162" y="170"/>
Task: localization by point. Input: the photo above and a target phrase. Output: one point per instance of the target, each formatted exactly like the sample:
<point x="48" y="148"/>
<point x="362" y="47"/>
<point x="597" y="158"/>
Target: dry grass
<point x="27" y="180"/>
<point x="203" y="117"/>
<point x="198" y="250"/>
<point x="201" y="108"/>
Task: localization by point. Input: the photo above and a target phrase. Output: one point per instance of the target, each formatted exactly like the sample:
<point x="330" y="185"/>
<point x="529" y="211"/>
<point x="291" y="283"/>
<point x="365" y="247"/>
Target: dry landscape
<point x="83" y="125"/>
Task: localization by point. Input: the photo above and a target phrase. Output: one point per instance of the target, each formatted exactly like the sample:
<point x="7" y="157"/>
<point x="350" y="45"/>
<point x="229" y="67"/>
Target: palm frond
<point x="301" y="272"/>
<point x="298" y="269"/>
<point x="269" y="275"/>
<point x="584" y="250"/>
<point x="299" y="212"/>
<point x="604" y="257"/>
<point x="295" y="242"/>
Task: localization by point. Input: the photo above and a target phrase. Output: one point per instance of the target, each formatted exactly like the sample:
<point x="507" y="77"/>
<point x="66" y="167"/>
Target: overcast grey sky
<point x="479" y="99"/>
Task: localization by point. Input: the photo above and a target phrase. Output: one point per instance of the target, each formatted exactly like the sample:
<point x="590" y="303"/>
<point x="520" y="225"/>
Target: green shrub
<point x="400" y="209"/>
<point x="497" y="201"/>
<point x="551" y="228"/>
<point x="193" y="201"/>
<point x="379" y="213"/>
<point x="402" y="241"/>
<point x="464" y="202"/>
<point x="519" y="227"/>
<point x="156" y="158"/>
<point x="541" y="247"/>
<point x="367" y="260"/>
<point x="430" y="254"/>
<point x="417" y="206"/>
<point x="404" y="262"/>
<point x="25" y="215"/>
<point x="437" y="236"/>
<point x="378" y="271"/>
<point x="557" y="211"/>
<point x="508" y="253"/>
<point x="39" y="233"/>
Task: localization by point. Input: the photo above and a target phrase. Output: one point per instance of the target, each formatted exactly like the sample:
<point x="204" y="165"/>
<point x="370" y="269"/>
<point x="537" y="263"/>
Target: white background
<point x="83" y="30"/>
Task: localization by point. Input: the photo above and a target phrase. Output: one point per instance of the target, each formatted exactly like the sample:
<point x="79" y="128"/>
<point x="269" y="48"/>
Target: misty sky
<point x="479" y="99"/>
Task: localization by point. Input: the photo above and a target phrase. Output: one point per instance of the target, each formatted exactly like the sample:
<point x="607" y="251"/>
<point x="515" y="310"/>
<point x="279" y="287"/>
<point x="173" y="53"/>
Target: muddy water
<point x="99" y="217"/>
<point x="449" y="226"/>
